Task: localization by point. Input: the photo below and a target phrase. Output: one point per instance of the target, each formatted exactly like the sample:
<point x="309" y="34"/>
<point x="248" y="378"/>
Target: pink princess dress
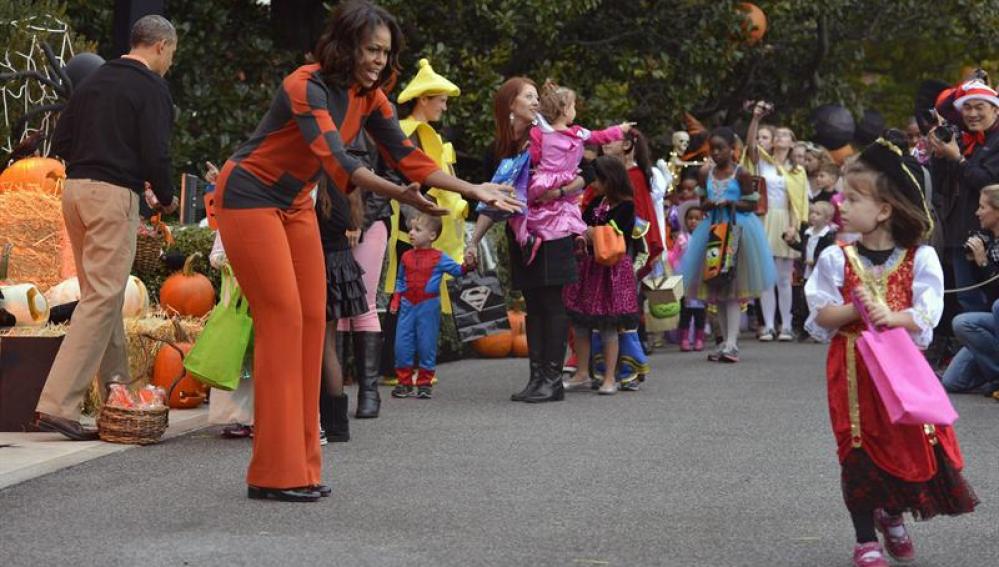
<point x="555" y="155"/>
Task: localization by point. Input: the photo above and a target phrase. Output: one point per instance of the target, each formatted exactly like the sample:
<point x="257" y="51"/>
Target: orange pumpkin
<point x="519" y="346"/>
<point x="37" y="173"/>
<point x="496" y="345"/>
<point x="187" y="292"/>
<point x="755" y="25"/>
<point x="169" y="364"/>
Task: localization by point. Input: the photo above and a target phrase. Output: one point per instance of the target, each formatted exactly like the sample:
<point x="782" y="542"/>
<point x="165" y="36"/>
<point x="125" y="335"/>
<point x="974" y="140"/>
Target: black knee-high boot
<point x="367" y="348"/>
<point x="333" y="416"/>
<point x="535" y="327"/>
<point x="555" y="324"/>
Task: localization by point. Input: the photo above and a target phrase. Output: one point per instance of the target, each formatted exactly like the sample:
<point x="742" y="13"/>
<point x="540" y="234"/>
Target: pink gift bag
<point x="909" y="390"/>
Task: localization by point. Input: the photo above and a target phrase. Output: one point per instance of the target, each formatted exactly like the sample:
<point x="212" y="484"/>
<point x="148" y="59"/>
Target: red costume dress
<point x="895" y="467"/>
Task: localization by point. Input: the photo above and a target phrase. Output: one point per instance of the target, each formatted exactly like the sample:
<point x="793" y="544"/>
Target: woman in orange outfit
<point x="268" y="225"/>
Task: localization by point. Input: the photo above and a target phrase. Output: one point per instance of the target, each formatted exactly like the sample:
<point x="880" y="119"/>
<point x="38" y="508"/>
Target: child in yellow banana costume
<point x="429" y="93"/>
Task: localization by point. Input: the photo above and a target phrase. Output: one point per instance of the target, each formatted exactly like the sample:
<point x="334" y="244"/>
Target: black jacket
<point x="116" y="128"/>
<point x="801" y="245"/>
<point x="956" y="188"/>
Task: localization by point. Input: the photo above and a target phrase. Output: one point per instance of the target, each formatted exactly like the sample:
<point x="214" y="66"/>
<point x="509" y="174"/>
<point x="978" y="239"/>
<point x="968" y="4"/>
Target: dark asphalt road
<point x="714" y="465"/>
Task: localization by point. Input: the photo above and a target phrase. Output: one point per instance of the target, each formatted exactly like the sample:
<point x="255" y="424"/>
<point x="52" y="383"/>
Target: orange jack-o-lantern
<point x="187" y="292"/>
<point x="755" y="25"/>
<point x="36" y="173"/>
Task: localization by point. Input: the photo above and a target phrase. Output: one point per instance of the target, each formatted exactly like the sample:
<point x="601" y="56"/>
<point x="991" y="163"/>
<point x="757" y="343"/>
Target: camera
<point x="979" y="234"/>
<point x="946" y="132"/>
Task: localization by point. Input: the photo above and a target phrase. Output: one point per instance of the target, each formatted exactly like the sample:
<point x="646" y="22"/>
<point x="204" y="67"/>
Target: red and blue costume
<point x="417" y="299"/>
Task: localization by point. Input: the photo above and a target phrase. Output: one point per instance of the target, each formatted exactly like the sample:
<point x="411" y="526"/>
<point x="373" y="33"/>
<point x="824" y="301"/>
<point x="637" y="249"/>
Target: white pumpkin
<point x="28" y="306"/>
<point x="136" y="296"/>
<point x="66" y="291"/>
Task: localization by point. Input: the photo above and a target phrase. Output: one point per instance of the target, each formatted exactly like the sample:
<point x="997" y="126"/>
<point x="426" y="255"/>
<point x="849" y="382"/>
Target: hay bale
<point x="32" y="221"/>
<point x="140" y="348"/>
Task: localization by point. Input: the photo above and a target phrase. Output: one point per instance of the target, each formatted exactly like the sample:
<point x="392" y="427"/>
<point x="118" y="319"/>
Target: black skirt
<point x="554" y="265"/>
<point x="866" y="487"/>
<point x="345" y="292"/>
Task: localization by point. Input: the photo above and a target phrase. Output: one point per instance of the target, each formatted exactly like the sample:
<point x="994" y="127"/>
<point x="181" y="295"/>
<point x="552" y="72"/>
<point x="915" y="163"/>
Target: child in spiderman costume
<point x="417" y="300"/>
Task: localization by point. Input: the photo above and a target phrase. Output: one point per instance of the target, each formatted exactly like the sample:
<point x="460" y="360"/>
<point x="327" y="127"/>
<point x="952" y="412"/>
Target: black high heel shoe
<point x="282" y="494"/>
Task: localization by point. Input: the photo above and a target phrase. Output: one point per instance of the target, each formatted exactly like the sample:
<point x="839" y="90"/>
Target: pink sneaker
<point x="699" y="340"/>
<point x="898" y="544"/>
<point x="869" y="555"/>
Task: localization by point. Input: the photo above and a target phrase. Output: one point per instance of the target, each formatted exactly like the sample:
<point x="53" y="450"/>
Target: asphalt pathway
<point x="715" y="465"/>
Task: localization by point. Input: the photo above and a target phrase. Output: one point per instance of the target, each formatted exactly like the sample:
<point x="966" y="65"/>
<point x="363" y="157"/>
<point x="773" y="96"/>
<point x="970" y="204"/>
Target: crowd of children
<point x="752" y="227"/>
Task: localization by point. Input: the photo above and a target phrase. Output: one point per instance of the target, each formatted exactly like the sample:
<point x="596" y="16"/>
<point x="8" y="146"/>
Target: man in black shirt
<point x="114" y="136"/>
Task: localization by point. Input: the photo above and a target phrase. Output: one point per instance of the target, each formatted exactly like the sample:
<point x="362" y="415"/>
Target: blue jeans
<point x="964" y="276"/>
<point x="976" y="366"/>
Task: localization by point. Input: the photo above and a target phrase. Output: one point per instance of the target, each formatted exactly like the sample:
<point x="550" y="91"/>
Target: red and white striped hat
<point x="975" y="90"/>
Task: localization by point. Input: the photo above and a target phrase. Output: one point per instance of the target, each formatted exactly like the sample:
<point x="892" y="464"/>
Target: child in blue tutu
<point x="728" y="196"/>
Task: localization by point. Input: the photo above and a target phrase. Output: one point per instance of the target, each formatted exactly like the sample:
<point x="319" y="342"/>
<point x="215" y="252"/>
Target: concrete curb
<point x="24" y="456"/>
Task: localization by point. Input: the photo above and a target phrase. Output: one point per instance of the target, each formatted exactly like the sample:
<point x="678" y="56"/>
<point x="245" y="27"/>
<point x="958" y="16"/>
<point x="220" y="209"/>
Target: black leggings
<point x="698" y="314"/>
<point x="547" y="324"/>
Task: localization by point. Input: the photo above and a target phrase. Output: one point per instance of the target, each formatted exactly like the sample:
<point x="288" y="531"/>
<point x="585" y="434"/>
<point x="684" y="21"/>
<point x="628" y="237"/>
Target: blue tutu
<point x="755" y="271"/>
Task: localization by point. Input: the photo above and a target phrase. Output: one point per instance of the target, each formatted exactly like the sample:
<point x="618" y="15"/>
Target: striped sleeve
<point x="308" y="97"/>
<point x="396" y="149"/>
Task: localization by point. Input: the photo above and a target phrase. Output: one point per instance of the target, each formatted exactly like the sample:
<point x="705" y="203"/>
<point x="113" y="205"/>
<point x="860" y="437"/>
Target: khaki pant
<point x="102" y="220"/>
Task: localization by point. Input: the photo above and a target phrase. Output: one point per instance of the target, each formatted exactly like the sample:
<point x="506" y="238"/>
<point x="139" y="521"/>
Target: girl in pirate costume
<point x="886" y="469"/>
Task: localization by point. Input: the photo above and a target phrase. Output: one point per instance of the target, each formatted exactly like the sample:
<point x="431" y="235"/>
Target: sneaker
<point x="767" y="336"/>
<point x="785" y="337"/>
<point x="730" y="355"/>
<point x="323" y="441"/>
<point x="401" y="391"/>
<point x="898" y="544"/>
<point x="699" y="341"/>
<point x="237" y="431"/>
<point x="424" y="393"/>
<point x="869" y="555"/>
<point x="685" y="343"/>
<point x="631" y="385"/>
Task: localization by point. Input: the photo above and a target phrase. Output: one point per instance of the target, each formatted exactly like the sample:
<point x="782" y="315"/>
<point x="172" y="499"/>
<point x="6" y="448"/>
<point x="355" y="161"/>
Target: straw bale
<point x="141" y="349"/>
<point x="32" y="221"/>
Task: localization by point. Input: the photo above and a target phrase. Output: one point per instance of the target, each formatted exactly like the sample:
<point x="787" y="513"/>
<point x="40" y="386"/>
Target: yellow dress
<point x="780" y="216"/>
<point x="451" y="241"/>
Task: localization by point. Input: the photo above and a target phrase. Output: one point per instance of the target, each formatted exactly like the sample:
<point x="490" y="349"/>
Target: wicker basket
<point x="132" y="426"/>
<point x="149" y="247"/>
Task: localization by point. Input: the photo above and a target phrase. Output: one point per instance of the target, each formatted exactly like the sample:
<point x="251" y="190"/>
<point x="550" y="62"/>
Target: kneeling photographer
<point x="976" y="366"/>
<point x="965" y="159"/>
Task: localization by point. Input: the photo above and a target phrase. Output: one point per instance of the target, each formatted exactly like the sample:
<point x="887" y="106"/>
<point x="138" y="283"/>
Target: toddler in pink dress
<point x="556" y="149"/>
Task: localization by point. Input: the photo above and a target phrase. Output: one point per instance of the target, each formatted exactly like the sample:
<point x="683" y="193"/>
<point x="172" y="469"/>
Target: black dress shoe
<point x="71" y="429"/>
<point x="282" y="494"/>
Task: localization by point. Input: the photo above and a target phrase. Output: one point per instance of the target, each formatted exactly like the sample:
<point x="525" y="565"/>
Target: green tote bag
<point x="217" y="356"/>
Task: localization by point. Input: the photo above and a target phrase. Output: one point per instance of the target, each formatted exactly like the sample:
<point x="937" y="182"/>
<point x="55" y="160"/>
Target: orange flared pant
<point x="277" y="258"/>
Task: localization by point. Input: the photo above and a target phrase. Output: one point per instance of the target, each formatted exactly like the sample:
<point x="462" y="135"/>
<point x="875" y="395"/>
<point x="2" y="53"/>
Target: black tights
<point x="863" y="525"/>
<point x="547" y="324"/>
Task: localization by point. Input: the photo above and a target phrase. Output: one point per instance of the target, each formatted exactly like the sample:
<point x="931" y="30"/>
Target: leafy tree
<point x="642" y="60"/>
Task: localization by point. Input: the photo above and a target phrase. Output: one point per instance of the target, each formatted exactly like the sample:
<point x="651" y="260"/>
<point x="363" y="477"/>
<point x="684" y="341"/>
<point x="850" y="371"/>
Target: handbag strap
<point x="231" y="288"/>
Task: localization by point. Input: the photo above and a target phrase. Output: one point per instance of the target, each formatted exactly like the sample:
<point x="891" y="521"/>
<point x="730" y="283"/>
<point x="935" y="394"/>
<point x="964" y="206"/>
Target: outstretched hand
<point x="500" y="197"/>
<point x="411" y="195"/>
